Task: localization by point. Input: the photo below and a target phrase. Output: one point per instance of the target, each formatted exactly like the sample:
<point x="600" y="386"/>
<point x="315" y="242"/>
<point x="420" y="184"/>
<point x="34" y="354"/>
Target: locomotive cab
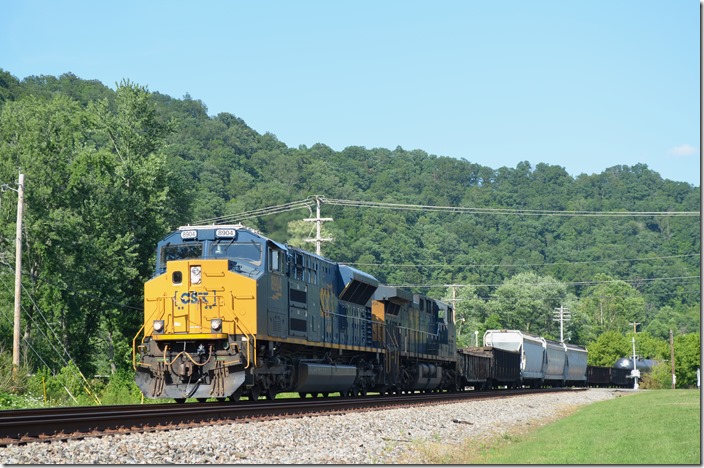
<point x="200" y="314"/>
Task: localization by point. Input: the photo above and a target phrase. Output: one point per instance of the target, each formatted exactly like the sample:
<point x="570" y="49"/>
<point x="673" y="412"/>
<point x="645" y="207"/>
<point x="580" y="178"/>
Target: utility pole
<point x="454" y="299"/>
<point x="634" y="326"/>
<point x="318" y="221"/>
<point x="561" y="315"/>
<point x="672" y="359"/>
<point x="18" y="276"/>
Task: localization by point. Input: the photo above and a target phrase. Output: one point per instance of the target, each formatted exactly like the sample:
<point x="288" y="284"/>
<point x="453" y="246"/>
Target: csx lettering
<point x="193" y="297"/>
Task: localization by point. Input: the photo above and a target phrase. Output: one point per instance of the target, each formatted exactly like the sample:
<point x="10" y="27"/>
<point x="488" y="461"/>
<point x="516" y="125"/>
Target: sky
<point x="582" y="85"/>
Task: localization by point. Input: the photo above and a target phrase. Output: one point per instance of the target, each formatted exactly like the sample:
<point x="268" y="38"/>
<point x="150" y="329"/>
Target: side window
<point x="275" y="260"/>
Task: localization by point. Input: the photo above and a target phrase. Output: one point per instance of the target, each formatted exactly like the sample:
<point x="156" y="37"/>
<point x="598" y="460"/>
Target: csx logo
<point x="194" y="297"/>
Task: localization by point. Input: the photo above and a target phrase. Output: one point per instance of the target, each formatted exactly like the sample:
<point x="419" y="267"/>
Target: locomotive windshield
<point x="181" y="252"/>
<point x="248" y="251"/>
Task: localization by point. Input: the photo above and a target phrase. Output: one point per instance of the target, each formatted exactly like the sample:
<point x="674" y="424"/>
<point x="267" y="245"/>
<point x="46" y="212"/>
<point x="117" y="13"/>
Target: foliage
<point x="109" y="172"/>
<point x="121" y="389"/>
<point x="612" y="304"/>
<point x="687" y="359"/>
<point x="660" y="377"/>
<point x="607" y="349"/>
<point x="11" y="381"/>
<point x="69" y="388"/>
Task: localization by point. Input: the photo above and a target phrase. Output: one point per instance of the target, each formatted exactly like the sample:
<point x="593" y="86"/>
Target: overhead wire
<point x="515" y="265"/>
<point x="266" y="211"/>
<point x="49" y="341"/>
<point x="309" y="202"/>
<point x="569" y="283"/>
<point x="502" y="211"/>
<point x="10" y="323"/>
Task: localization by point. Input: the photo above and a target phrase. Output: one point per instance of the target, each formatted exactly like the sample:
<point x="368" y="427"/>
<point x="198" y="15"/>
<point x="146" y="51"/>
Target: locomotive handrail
<point x="134" y="348"/>
<point x="161" y="301"/>
<point x="389" y="332"/>
<point x="247" y="333"/>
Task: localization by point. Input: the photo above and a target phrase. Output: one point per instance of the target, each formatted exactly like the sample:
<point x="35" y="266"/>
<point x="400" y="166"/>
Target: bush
<point x="66" y="388"/>
<point x="660" y="377"/>
<point x="11" y="382"/>
<point x="121" y="390"/>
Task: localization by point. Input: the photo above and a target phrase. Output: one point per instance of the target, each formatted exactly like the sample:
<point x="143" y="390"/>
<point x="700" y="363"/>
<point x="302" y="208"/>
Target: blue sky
<point x="582" y="85"/>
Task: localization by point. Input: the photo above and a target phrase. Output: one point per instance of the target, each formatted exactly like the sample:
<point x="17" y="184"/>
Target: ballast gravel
<point x="373" y="437"/>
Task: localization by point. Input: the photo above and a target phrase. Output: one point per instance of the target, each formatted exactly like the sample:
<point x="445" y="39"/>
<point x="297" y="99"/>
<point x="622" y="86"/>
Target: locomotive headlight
<point x="216" y="324"/>
<point x="158" y="326"/>
<point x="196" y="274"/>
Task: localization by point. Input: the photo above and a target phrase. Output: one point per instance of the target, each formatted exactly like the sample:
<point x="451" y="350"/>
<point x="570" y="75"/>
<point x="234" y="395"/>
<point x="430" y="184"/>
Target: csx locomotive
<point x="230" y="312"/>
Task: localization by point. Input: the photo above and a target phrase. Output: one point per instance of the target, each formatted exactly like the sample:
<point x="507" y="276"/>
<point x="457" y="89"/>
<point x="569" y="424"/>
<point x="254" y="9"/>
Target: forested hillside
<point x="108" y="173"/>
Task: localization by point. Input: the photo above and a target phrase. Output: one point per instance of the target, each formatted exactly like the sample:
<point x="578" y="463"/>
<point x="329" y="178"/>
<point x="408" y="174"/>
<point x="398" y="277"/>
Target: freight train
<point x="231" y="313"/>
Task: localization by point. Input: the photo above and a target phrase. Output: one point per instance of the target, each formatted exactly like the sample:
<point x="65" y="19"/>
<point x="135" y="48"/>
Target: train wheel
<point x="302" y="395"/>
<point x="180" y="401"/>
<point x="271" y="393"/>
<point x="325" y="394"/>
<point x="235" y="397"/>
<point x="254" y="393"/>
<point x="201" y="400"/>
<point x="221" y="399"/>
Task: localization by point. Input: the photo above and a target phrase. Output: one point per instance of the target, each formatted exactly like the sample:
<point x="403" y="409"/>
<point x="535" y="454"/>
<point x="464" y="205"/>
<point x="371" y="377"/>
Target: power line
<point x="26" y="341"/>
<point x="58" y="340"/>
<point x="503" y="211"/>
<point x="568" y="283"/>
<point x="310" y="201"/>
<point x="267" y="211"/>
<point x="509" y="265"/>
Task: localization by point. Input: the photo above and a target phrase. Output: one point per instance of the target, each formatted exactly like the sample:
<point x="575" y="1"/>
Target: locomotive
<point x="230" y="312"/>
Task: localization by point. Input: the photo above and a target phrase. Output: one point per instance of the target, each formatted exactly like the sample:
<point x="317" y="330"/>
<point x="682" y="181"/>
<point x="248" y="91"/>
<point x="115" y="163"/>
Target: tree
<point x="471" y="313"/>
<point x="47" y="141"/>
<point x="526" y="302"/>
<point x="612" y="304"/>
<point x="607" y="349"/>
<point x="687" y="358"/>
<point x="99" y="202"/>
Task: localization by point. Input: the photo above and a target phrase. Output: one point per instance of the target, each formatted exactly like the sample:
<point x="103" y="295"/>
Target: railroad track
<point x="47" y="424"/>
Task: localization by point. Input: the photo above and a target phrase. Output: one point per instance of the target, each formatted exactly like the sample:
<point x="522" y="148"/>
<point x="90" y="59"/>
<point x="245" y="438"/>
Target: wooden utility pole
<point x="18" y="276"/>
<point x="672" y="359"/>
<point x="635" y="324"/>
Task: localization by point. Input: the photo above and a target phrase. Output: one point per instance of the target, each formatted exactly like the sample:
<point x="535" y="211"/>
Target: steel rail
<point x="28" y="425"/>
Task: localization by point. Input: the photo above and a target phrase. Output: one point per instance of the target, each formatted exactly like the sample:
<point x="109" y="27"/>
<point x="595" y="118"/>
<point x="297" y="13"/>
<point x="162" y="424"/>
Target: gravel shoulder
<point x="373" y="437"/>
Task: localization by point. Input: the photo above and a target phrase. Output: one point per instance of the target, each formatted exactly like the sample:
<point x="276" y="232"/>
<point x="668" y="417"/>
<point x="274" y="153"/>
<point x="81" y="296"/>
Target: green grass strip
<point x="647" y="427"/>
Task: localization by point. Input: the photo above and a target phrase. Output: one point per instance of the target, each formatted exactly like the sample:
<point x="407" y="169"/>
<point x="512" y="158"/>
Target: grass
<point x="648" y="427"/>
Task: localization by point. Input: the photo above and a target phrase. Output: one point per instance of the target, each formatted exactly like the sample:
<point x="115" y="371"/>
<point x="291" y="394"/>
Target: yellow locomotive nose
<point x="199" y="330"/>
<point x="199" y="297"/>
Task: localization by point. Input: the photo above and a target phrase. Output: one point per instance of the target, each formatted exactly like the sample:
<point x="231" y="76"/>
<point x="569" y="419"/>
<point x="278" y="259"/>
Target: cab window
<point x="276" y="262"/>
<point x="180" y="252"/>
